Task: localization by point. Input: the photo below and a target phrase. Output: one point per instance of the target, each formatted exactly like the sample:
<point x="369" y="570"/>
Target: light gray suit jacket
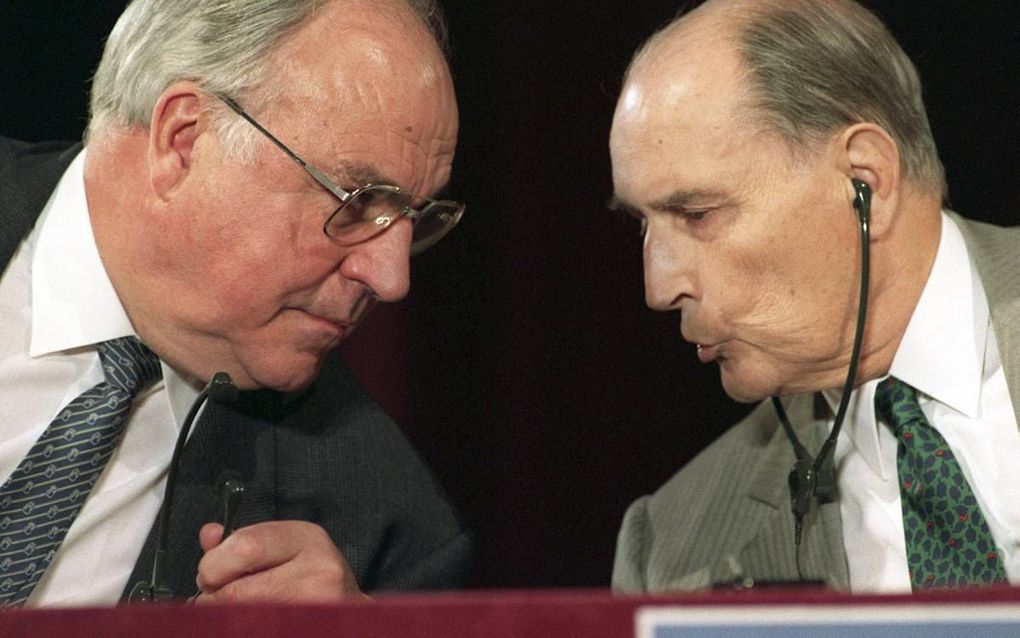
<point x="726" y="515"/>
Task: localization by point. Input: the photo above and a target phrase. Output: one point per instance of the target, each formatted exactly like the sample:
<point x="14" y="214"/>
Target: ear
<point x="178" y="119"/>
<point x="871" y="155"/>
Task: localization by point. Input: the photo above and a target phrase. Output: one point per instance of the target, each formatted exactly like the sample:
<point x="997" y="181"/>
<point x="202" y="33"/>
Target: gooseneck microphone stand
<point x="220" y="389"/>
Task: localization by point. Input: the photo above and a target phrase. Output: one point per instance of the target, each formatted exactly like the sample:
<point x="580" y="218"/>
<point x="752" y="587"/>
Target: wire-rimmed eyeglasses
<point x="369" y="210"/>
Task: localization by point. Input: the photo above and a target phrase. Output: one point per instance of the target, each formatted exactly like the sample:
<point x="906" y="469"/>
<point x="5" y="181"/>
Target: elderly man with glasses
<point x="180" y="242"/>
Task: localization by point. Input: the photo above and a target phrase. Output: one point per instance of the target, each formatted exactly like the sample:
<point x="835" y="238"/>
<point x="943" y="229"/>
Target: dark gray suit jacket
<point x="328" y="455"/>
<point x="726" y="515"/>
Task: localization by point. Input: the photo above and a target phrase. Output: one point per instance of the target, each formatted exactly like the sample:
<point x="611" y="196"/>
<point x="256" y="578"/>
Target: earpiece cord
<point x="798" y="449"/>
<point x="863" y="206"/>
<point x="802" y="457"/>
<point x="796" y="553"/>
<point x="855" y="357"/>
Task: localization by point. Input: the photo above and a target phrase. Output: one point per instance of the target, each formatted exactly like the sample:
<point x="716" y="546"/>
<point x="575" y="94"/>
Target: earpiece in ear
<point x="862" y="199"/>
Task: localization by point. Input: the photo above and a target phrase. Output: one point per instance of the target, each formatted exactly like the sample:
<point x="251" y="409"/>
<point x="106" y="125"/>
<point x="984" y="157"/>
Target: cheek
<point x="243" y="273"/>
<point x="798" y="298"/>
<point x="749" y="285"/>
<point x="774" y="291"/>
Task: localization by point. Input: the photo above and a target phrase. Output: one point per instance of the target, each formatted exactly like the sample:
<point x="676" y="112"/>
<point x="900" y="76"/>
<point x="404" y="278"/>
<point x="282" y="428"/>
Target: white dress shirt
<point x="56" y="303"/>
<point x="949" y="354"/>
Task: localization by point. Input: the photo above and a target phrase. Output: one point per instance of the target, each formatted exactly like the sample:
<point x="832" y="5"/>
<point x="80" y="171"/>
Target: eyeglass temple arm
<point x="326" y="183"/>
<point x="311" y="170"/>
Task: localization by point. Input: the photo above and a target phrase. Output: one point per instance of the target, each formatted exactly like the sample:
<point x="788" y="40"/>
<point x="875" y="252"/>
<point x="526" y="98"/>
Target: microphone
<point x="222" y="390"/>
<point x="230" y="488"/>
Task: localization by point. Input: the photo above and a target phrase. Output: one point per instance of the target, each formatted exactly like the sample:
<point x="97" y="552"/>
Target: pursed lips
<point x="707" y="354"/>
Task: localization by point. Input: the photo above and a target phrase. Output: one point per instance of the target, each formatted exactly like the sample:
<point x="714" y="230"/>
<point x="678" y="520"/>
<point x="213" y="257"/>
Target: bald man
<point x="763" y="145"/>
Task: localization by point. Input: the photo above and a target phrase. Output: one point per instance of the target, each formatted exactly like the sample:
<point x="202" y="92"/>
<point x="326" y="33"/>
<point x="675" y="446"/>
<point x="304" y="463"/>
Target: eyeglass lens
<point x="373" y="209"/>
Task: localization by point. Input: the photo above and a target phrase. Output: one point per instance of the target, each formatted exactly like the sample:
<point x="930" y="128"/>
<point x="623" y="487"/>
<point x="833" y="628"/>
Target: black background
<point x="524" y="364"/>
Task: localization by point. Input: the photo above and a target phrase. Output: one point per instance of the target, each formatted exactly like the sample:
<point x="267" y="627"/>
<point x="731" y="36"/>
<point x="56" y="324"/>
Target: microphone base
<point x="742" y="584"/>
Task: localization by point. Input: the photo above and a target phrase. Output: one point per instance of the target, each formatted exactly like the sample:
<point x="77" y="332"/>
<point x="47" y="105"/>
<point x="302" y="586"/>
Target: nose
<point x="382" y="263"/>
<point x="668" y="273"/>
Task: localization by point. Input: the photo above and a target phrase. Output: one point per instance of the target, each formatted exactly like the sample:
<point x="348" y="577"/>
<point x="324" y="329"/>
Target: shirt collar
<point x="942" y="350"/>
<point x="73" y="302"/>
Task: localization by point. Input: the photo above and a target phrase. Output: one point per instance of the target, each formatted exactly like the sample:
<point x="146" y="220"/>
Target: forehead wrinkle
<point x="425" y="155"/>
<point x="440" y="170"/>
<point x="374" y="126"/>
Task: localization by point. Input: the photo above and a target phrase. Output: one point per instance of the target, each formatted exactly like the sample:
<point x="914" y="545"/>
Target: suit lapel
<point x="770" y="530"/>
<point x="994" y="251"/>
<point x="26" y="182"/>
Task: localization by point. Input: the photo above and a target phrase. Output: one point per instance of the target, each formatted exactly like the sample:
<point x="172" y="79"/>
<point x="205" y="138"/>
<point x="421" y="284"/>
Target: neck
<point x="119" y="210"/>
<point x="902" y="259"/>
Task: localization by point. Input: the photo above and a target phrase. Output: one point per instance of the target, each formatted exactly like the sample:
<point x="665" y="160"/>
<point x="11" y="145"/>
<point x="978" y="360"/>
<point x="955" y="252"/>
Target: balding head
<point x="810" y="68"/>
<point x="222" y="263"/>
<point x="737" y="138"/>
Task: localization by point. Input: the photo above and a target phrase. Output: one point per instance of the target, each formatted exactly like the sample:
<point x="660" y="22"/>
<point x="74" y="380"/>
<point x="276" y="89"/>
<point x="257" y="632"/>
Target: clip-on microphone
<point x="222" y="390"/>
<point x="816" y="477"/>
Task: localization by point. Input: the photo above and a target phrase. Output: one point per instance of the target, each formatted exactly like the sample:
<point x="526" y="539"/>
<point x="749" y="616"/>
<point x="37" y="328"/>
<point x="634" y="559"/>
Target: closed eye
<point x="689" y="205"/>
<point x="687" y="213"/>
<point x="693" y="215"/>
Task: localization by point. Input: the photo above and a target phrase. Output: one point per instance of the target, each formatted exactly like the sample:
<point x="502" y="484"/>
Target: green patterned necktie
<point x="948" y="540"/>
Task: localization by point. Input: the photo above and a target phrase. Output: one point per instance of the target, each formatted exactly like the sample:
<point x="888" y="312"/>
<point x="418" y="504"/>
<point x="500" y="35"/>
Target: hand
<point x="280" y="561"/>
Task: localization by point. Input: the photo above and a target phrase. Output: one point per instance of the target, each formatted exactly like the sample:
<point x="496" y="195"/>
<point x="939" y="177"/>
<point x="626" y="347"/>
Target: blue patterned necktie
<point x="948" y="540"/>
<point x="42" y="497"/>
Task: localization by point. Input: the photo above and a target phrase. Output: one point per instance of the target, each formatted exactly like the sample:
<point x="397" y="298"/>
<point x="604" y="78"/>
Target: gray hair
<point x="817" y="65"/>
<point x="223" y="45"/>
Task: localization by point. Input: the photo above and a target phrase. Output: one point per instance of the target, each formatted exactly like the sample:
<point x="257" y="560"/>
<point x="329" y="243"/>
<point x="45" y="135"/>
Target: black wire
<point x="828" y="447"/>
<point x="855" y="357"/>
<point x="796" y="554"/>
<point x="158" y="584"/>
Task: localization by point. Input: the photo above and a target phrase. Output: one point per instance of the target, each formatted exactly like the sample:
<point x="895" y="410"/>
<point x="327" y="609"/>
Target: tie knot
<point x="896" y="402"/>
<point x="128" y="364"/>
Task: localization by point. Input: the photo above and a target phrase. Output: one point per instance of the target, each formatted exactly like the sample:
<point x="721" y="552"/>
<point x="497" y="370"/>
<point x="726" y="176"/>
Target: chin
<point x="294" y="381"/>
<point x="291" y="372"/>
<point x="743" y="387"/>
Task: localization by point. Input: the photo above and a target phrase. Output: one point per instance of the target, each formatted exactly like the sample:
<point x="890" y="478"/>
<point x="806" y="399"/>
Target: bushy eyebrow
<point x="360" y="173"/>
<point x="677" y="199"/>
